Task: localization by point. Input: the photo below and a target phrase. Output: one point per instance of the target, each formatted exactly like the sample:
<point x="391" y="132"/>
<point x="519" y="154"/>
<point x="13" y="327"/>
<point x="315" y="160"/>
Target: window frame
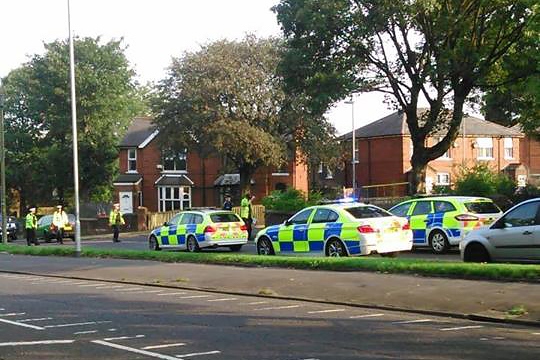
<point x="441" y="174"/>
<point x="536" y="215"/>
<point x="176" y="158"/>
<point x="508" y="141"/>
<point x="131" y="160"/>
<point x="484" y="152"/>
<point x="419" y="202"/>
<point x="447" y="155"/>
<point x="180" y="203"/>
<point x="291" y="222"/>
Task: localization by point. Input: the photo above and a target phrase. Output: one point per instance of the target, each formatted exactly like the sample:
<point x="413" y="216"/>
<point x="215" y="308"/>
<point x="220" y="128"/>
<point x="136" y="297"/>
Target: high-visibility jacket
<point x="244" y="208"/>
<point x="31" y="221"/>
<point x="116" y="218"/>
<point x="60" y="219"/>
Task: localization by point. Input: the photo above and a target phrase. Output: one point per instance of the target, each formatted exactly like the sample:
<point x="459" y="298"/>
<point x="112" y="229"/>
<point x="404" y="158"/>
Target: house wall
<point x="380" y="161"/>
<point x="530" y="155"/>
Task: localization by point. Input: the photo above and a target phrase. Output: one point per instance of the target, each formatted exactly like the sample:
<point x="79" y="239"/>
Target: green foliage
<point x="227" y="98"/>
<point x="38" y="119"/>
<point x="290" y="200"/>
<point x="480" y="180"/>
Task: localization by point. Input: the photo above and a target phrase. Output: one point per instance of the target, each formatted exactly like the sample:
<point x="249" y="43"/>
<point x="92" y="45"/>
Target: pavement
<point x="479" y="300"/>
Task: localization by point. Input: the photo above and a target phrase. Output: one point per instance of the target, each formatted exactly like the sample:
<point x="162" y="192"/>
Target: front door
<point x="126" y="202"/>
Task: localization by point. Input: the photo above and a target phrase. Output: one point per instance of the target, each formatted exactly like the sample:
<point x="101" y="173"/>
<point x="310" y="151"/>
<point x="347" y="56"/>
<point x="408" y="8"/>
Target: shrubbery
<point x="290" y="200"/>
<point x="480" y="180"/>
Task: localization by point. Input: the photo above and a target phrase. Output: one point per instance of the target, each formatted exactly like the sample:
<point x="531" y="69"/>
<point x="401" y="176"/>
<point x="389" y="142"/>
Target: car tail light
<point x="210" y="229"/>
<point x="406" y="226"/>
<point x="466" y="217"/>
<point x="243" y="227"/>
<point x="366" y="229"/>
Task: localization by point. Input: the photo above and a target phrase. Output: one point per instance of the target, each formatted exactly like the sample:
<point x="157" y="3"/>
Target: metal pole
<point x="353" y="149"/>
<point x="3" y="170"/>
<point x="75" y="142"/>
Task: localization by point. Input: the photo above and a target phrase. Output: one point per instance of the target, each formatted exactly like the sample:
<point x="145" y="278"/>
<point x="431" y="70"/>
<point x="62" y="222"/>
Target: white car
<point x="515" y="236"/>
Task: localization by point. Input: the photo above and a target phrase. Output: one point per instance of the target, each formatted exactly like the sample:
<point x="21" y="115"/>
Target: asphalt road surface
<point x="140" y="242"/>
<point x="56" y="318"/>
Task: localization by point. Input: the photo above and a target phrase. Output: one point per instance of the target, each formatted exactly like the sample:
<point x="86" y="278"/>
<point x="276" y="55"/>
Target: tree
<point x="227" y="99"/>
<point x="38" y="118"/>
<point x="440" y="50"/>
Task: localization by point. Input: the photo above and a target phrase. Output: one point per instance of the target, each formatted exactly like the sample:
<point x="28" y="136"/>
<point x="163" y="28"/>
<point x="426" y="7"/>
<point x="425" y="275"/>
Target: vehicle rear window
<point x="482" y="207"/>
<point x="363" y="212"/>
<point x="224" y="218"/>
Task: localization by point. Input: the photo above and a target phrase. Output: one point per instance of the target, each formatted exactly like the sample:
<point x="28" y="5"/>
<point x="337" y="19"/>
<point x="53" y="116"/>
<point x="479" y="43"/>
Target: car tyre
<point x="438" y="242"/>
<point x="153" y="243"/>
<point x="235" y="248"/>
<point x="192" y="245"/>
<point x="335" y="248"/>
<point x="476" y="252"/>
<point x="264" y="247"/>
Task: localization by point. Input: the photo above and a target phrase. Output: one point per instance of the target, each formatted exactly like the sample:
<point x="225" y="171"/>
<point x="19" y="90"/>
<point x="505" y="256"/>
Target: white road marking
<point x="76" y="324"/>
<point x="12" y="314"/>
<point x="134" y="350"/>
<point x="256" y="303"/>
<point x="124" y="337"/>
<point x="111" y="330"/>
<point x="152" y="291"/>
<point x="110" y="287"/>
<point x="462" y="328"/>
<point x="38" y="319"/>
<point x="88" y="285"/>
<point x="130" y="289"/>
<point x="535" y="333"/>
<point x="22" y="324"/>
<point x="65" y="282"/>
<point x="222" y="299"/>
<point x="2" y="309"/>
<point x="278" y="307"/>
<point x="85" y="332"/>
<point x="43" y="342"/>
<point x="162" y="346"/>
<point x="365" y="316"/>
<point x="198" y="354"/>
<point x="194" y="296"/>
<point x="325" y="311"/>
<point x="413" y="321"/>
<point x="171" y="294"/>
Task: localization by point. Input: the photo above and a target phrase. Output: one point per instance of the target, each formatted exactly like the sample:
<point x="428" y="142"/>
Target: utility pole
<point x="75" y="141"/>
<point x="353" y="162"/>
<point x="3" y="166"/>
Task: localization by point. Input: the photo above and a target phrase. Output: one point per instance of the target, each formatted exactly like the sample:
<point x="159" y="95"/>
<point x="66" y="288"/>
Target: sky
<point x="154" y="31"/>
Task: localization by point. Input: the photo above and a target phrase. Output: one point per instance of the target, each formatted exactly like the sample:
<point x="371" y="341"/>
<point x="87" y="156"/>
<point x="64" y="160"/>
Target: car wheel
<point x="438" y="242"/>
<point x="235" y="248"/>
<point x="335" y="248"/>
<point x="12" y="237"/>
<point x="153" y="243"/>
<point x="391" y="254"/>
<point x="476" y="253"/>
<point x="264" y="247"/>
<point x="192" y="245"/>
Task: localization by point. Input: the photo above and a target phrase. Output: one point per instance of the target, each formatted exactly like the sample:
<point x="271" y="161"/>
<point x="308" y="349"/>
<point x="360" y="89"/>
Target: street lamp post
<point x="75" y="146"/>
<point x="353" y="162"/>
<point x="3" y="166"/>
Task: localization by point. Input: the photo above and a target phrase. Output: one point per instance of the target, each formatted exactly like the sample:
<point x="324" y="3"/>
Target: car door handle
<point x="527" y="232"/>
<point x="426" y="220"/>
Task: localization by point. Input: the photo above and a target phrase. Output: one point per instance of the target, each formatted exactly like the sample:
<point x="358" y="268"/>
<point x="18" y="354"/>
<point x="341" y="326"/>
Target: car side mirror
<point x="287" y="223"/>
<point x="166" y="223"/>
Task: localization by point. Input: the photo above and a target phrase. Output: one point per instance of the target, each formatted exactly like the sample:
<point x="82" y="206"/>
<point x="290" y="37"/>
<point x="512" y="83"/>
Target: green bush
<point x="480" y="180"/>
<point x="290" y="200"/>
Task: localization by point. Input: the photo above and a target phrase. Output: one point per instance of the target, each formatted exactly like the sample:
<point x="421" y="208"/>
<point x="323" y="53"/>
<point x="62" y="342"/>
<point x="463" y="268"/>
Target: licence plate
<point x="68" y="228"/>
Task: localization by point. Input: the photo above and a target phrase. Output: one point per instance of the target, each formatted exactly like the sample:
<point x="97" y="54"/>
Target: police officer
<point x="227" y="205"/>
<point x="246" y="212"/>
<point x="30" y="227"/>
<point x="60" y="220"/>
<point x="115" y="220"/>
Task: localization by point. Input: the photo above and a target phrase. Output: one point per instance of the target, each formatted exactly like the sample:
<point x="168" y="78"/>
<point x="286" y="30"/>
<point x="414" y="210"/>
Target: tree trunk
<point x="246" y="173"/>
<point x="419" y="164"/>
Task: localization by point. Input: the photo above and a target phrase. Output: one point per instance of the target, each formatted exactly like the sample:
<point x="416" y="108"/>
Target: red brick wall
<point x="380" y="161"/>
<point x="530" y="154"/>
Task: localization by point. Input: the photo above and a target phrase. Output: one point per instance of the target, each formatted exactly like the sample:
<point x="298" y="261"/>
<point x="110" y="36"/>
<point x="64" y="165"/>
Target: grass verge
<point x="528" y="272"/>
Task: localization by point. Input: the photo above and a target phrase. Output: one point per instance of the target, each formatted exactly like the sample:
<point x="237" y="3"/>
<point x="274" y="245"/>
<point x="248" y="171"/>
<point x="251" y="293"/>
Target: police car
<point x="337" y="230"/>
<point x="194" y="230"/>
<point x="443" y="221"/>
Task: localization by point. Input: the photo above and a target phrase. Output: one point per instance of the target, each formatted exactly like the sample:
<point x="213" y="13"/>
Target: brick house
<point x="163" y="181"/>
<point x="384" y="149"/>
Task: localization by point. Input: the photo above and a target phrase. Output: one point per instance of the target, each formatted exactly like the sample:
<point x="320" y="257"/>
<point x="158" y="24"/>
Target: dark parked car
<point x="47" y="231"/>
<point x="12" y="227"/>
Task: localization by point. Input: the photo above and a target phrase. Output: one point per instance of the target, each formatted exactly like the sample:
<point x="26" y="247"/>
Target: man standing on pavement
<point x="227" y="205"/>
<point x="115" y="221"/>
<point x="246" y="212"/>
<point x="30" y="227"/>
<point x="60" y="220"/>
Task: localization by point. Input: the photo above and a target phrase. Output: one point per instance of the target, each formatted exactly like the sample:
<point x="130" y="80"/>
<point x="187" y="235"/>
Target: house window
<point x="446" y="155"/>
<point x="485" y="148"/>
<point x="329" y="174"/>
<point x="443" y="179"/>
<point x="174" y="198"/>
<point x="508" y="149"/>
<point x="132" y="160"/>
<point x="282" y="170"/>
<point x="175" y="161"/>
<point x="140" y="196"/>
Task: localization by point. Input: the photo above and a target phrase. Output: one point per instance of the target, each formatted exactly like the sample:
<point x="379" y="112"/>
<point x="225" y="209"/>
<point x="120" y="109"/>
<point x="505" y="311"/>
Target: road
<point x="139" y="242"/>
<point x="56" y="318"/>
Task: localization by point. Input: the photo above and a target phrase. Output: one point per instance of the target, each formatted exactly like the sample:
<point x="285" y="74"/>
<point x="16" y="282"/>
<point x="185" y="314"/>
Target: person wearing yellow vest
<point x="115" y="221"/>
<point x="30" y="227"/>
<point x="246" y="212"/>
<point x="60" y="220"/>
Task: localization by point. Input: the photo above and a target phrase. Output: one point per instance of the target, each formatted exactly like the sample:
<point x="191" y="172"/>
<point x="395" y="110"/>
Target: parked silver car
<point x="515" y="236"/>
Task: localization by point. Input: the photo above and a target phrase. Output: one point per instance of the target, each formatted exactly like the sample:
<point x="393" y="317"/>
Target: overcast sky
<point x="154" y="31"/>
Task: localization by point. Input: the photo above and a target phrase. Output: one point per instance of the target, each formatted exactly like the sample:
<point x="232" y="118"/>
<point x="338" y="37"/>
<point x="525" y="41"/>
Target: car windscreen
<point x="364" y="212"/>
<point x="224" y="218"/>
<point x="482" y="207"/>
